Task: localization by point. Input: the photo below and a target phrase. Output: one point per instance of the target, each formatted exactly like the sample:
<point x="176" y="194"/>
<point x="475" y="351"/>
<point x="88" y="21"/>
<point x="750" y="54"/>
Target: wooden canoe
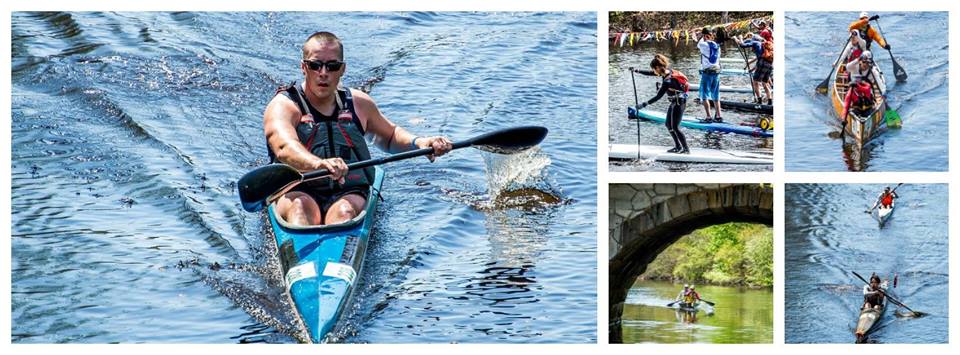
<point x="859" y="129"/>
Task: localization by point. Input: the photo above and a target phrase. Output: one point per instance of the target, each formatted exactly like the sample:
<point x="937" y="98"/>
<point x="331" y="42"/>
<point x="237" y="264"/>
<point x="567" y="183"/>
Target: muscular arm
<point x="279" y="125"/>
<point x="386" y="135"/>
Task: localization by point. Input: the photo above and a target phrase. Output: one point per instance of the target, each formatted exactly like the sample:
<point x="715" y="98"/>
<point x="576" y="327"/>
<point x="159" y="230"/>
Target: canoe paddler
<point x="872" y="295"/>
<point x="864" y="69"/>
<point x="675" y="86"/>
<point x="709" y="74"/>
<point x="870" y="35"/>
<point x="319" y="125"/>
<point x="859" y="99"/>
<point x="886" y="197"/>
<point x="854" y="48"/>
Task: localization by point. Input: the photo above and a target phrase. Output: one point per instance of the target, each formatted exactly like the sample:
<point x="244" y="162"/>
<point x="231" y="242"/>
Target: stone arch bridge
<point x="645" y="219"/>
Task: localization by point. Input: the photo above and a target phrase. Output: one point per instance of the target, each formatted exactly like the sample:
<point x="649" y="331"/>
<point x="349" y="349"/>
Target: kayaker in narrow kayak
<point x="869" y="34"/>
<point x="709" y="74"/>
<point x="675" y="86"/>
<point x="886" y="198"/>
<point x="872" y="295"/>
<point x="318" y="125"/>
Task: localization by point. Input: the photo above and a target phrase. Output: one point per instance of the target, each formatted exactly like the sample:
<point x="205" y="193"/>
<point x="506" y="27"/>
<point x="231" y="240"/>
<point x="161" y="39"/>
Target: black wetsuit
<point x="677" y="96"/>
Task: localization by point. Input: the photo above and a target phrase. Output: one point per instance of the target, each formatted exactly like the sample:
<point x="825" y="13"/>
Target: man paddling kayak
<point x="886" y="198"/>
<point x="675" y="86"/>
<point x="873" y="293"/>
<point x="317" y="125"/>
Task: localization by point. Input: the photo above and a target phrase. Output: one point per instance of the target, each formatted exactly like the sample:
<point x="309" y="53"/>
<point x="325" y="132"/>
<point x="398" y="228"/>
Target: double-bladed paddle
<point x="266" y="183"/>
<point x="875" y="204"/>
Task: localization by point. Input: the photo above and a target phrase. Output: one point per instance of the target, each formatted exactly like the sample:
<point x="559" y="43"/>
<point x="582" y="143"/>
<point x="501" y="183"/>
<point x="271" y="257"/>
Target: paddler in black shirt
<point x="318" y="125"/>
<point x="675" y="86"/>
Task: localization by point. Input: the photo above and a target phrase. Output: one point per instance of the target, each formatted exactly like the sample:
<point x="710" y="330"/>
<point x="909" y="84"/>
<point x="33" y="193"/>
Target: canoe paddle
<point x="267" y="183"/>
<point x="875" y="204"/>
<point x="822" y="88"/>
<point x="894" y="300"/>
<point x="898" y="71"/>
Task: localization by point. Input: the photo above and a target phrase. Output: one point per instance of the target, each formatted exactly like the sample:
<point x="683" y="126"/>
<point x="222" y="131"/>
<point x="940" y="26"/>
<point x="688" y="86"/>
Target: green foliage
<point x="731" y="253"/>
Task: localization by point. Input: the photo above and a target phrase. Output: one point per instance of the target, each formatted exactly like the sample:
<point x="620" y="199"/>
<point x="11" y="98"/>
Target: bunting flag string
<point x="687" y="35"/>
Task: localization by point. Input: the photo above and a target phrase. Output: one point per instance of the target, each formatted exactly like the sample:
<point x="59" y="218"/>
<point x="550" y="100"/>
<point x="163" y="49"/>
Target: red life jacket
<point x="862" y="97"/>
<point x="680" y="79"/>
<point x="887" y="199"/>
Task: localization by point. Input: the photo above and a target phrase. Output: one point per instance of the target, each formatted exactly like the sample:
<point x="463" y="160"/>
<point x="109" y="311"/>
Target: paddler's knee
<point x="343" y="210"/>
<point x="299" y="208"/>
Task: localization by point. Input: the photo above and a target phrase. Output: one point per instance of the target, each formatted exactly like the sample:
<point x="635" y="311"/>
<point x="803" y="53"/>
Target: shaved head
<point x="322" y="38"/>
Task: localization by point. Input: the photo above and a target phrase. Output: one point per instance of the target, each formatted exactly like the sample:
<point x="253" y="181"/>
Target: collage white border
<point x="778" y="177"/>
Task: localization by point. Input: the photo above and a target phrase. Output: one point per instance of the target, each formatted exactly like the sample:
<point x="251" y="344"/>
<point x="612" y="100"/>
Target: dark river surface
<point x="741" y="315"/>
<point x="813" y="42"/>
<point x="685" y="58"/>
<point x="129" y="131"/>
<point x="828" y="236"/>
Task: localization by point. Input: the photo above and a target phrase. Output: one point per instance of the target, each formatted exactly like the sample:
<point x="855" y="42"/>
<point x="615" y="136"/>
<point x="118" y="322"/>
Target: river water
<point x="814" y="40"/>
<point x="685" y="58"/>
<point x="741" y="315"/>
<point x="130" y="130"/>
<point x="828" y="236"/>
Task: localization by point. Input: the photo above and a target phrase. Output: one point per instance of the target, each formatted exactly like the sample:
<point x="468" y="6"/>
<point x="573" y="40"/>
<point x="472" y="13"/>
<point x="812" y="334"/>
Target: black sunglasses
<point x="332" y="65"/>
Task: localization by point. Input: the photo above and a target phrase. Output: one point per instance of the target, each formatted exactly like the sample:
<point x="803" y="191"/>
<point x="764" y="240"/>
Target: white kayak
<point x="884" y="213"/>
<point x="696" y="155"/>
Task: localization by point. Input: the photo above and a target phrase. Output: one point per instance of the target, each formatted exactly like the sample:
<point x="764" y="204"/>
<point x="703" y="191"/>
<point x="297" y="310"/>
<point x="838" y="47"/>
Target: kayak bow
<point x="321" y="264"/>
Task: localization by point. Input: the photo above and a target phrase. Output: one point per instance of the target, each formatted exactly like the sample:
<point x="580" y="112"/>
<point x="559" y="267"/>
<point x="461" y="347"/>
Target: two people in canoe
<point x="317" y="124"/>
<point x="873" y="293"/>
<point x="688" y="297"/>
<point x="709" y="74"/>
<point x="762" y="46"/>
<point x="675" y="86"/>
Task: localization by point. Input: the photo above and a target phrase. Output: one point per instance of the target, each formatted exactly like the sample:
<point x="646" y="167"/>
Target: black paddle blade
<point x="510" y="140"/>
<point x="822" y="88"/>
<point x="258" y="185"/>
<point x="898" y="71"/>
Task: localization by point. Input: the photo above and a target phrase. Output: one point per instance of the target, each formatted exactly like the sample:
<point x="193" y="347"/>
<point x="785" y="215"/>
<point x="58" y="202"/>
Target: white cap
<point x="866" y="55"/>
<point x="686" y="286"/>
<point x="854" y="33"/>
<point x="864" y="14"/>
<point x="692" y="286"/>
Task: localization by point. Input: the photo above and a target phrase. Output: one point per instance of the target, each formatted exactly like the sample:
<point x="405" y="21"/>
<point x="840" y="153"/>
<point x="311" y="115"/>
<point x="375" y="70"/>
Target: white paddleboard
<point x="697" y="155"/>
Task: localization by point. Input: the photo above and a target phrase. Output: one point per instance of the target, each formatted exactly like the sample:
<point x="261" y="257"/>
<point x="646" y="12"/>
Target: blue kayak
<point x="696" y="123"/>
<point x="321" y="264"/>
